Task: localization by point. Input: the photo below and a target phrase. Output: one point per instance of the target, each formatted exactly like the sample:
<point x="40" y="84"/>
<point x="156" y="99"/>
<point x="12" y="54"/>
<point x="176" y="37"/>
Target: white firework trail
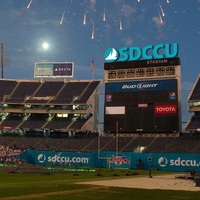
<point x="92" y="32"/>
<point x="29" y="4"/>
<point x="162" y="11"/>
<point x="62" y="18"/>
<point x="84" y="18"/>
<point x="161" y="20"/>
<point x="120" y="24"/>
<point x="104" y="15"/>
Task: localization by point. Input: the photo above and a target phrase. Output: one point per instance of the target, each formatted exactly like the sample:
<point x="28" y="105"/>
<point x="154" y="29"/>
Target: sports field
<point x="75" y="184"/>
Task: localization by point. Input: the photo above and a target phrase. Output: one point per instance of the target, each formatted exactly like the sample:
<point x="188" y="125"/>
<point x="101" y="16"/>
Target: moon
<point x="45" y="45"/>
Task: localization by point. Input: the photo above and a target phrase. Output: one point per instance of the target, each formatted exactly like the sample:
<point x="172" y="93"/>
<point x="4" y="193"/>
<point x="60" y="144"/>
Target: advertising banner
<point x="110" y="159"/>
<point x="167" y="161"/>
<point x="50" y="158"/>
<point x="50" y="69"/>
<point x="132" y="86"/>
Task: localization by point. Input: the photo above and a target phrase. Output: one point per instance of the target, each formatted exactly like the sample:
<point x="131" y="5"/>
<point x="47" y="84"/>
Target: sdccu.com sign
<point x="62" y="158"/>
<point x="178" y="162"/>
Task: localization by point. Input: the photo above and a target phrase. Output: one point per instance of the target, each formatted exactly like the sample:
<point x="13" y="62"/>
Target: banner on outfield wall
<point x="48" y="158"/>
<point x="109" y="159"/>
<point x="168" y="161"/>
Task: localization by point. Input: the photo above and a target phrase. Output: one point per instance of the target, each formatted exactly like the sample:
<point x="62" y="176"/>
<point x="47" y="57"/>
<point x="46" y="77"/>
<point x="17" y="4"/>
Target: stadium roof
<point x="195" y="92"/>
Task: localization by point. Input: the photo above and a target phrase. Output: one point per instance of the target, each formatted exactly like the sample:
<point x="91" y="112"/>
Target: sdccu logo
<point x="135" y="53"/>
<point x="163" y="162"/>
<point x="41" y="158"/>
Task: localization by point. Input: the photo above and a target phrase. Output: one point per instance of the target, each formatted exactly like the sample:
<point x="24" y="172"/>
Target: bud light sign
<point x="149" y="52"/>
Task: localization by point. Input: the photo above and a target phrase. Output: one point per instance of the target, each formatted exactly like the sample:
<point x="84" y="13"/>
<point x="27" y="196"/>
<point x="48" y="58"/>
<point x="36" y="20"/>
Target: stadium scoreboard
<point x="142" y="96"/>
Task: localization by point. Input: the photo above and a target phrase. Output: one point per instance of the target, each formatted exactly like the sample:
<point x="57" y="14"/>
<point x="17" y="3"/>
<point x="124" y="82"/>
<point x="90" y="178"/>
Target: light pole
<point x="2" y="60"/>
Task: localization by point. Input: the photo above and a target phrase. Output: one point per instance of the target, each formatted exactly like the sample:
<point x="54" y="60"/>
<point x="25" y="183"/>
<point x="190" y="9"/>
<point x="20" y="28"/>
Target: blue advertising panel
<point x="147" y="85"/>
<point x="167" y="161"/>
<point x="50" y="69"/>
<point x="63" y="69"/>
<point x="48" y="158"/>
<point x="110" y="159"/>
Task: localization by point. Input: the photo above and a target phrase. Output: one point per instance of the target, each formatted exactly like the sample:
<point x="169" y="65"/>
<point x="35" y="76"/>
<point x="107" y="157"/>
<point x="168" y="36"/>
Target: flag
<point x="92" y="65"/>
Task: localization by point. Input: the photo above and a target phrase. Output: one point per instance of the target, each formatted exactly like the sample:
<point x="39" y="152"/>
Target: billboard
<point x="53" y="69"/>
<point x="145" y="106"/>
<point x="60" y="158"/>
<point x="177" y="162"/>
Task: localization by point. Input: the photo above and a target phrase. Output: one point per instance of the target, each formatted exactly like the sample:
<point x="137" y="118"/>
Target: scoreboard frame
<point x="161" y="115"/>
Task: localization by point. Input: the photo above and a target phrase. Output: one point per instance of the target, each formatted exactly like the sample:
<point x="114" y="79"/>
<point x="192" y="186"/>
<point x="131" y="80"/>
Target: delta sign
<point x="149" y="52"/>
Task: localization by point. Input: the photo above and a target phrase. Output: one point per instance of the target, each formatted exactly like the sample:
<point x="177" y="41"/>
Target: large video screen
<point x="148" y="106"/>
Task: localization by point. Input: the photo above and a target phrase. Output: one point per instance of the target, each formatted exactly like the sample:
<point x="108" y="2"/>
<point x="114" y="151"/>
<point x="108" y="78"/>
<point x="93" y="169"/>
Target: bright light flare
<point x="45" y="46"/>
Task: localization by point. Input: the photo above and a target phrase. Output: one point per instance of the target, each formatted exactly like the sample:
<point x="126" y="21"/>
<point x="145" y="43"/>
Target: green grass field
<point x="62" y="186"/>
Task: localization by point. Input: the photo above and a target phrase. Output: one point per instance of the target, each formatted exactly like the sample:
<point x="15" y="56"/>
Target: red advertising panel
<point x="7" y="127"/>
<point x="165" y="109"/>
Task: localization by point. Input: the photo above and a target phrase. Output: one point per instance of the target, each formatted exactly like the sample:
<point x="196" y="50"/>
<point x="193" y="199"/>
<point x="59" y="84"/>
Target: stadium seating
<point x="27" y="104"/>
<point x="193" y="125"/>
<point x="36" y="109"/>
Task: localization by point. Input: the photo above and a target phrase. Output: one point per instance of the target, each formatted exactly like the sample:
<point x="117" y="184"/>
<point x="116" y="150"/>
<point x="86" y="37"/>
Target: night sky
<point x="82" y="30"/>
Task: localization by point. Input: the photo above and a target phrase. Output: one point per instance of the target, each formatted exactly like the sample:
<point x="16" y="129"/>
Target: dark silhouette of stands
<point x="22" y="91"/>
<point x="62" y="133"/>
<point x="35" y="121"/>
<point x="77" y="124"/>
<point x="70" y="92"/>
<point x="12" y="120"/>
<point x="87" y="93"/>
<point x="195" y="92"/>
<point x="6" y="88"/>
<point x="39" y="97"/>
<point x="90" y="142"/>
<point x="58" y="123"/>
<point x="193" y="125"/>
<point x="49" y="88"/>
<point x="49" y="92"/>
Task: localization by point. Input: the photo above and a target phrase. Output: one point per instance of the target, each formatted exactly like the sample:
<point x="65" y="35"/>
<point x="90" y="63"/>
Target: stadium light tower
<point x="2" y="60"/>
<point x="5" y="59"/>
